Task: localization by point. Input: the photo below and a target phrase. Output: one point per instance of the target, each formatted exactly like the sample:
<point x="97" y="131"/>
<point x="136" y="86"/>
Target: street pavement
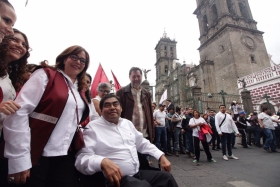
<point x="255" y="168"/>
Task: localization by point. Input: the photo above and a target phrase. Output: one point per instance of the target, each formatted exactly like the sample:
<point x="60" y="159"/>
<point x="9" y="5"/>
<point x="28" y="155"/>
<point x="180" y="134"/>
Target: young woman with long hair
<point x="14" y="52"/>
<point x="196" y="123"/>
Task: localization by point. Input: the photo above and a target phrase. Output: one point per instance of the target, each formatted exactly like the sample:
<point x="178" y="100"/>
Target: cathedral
<point x="231" y="47"/>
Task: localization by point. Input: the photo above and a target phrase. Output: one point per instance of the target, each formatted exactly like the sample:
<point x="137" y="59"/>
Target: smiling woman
<point x="52" y="109"/>
<point x="13" y="60"/>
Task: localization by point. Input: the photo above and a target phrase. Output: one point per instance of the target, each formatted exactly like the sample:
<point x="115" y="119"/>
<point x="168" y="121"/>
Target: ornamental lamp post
<point x="267" y="100"/>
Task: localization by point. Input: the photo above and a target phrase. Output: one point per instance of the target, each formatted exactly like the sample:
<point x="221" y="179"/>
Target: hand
<point x="165" y="164"/>
<point x="239" y="135"/>
<point x="183" y="131"/>
<point x="220" y="135"/>
<point x="112" y="171"/>
<point x="19" y="178"/>
<point x="9" y="107"/>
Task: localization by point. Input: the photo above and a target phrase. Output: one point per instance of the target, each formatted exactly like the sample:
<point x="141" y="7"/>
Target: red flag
<point x="100" y="76"/>
<point x="117" y="84"/>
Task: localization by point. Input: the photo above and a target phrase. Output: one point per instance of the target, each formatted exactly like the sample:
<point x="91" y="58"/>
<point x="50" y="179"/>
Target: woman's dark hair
<point x="31" y="67"/>
<point x="107" y="97"/>
<point x="16" y="69"/>
<point x="196" y="111"/>
<point x="60" y="59"/>
<point x="205" y="115"/>
<point x="233" y="103"/>
<point x="178" y="109"/>
<point x="87" y="93"/>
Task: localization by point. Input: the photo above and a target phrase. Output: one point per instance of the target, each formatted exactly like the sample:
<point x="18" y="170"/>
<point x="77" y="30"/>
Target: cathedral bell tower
<point x="231" y="46"/>
<point x="165" y="55"/>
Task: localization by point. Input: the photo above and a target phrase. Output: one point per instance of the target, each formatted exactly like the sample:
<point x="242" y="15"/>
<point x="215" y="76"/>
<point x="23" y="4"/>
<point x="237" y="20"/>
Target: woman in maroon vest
<point x="38" y="136"/>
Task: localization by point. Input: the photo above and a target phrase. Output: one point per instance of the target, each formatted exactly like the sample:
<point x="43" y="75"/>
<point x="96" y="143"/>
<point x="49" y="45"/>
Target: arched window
<point x="205" y="23"/>
<point x="243" y="11"/>
<point x="214" y="13"/>
<point x="230" y="6"/>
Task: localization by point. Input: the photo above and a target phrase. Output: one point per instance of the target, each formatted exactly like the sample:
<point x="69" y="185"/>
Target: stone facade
<point x="266" y="81"/>
<point x="231" y="45"/>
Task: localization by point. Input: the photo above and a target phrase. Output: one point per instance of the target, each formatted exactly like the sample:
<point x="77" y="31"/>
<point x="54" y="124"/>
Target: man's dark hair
<point x="107" y="97"/>
<point x="171" y="108"/>
<point x="168" y="100"/>
<point x="211" y="110"/>
<point x="264" y="109"/>
<point x="222" y="105"/>
<point x="255" y="113"/>
<point x="135" y="69"/>
<point x="178" y="109"/>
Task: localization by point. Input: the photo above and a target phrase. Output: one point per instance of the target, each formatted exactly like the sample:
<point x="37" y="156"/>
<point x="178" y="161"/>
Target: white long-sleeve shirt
<point x="228" y="125"/>
<point x="119" y="143"/>
<point x="8" y="92"/>
<point x="16" y="126"/>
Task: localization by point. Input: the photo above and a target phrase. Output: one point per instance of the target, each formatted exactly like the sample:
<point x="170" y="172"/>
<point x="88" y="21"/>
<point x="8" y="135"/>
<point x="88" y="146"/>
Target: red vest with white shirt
<point x="44" y="118"/>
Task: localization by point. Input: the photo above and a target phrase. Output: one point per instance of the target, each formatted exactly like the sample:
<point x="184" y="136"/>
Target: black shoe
<point x="215" y="149"/>
<point x="234" y="147"/>
<point x="268" y="150"/>
<point x="218" y="148"/>
<point x="275" y="151"/>
<point x="201" y="149"/>
<point x="168" y="154"/>
<point x="177" y="154"/>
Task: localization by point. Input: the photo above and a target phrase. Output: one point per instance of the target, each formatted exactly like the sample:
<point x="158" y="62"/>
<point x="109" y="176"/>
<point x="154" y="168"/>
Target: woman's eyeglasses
<point x="76" y="58"/>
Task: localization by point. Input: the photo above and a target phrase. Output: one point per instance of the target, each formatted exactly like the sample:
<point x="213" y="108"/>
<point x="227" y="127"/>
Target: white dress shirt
<point x="8" y="92"/>
<point x="16" y="126"/>
<point x="119" y="143"/>
<point x="93" y="115"/>
<point x="228" y="125"/>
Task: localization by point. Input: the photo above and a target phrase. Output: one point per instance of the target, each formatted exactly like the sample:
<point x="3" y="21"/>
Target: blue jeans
<point x="257" y="135"/>
<point x="177" y="137"/>
<point x="189" y="141"/>
<point x="161" y="132"/>
<point x="270" y="139"/>
<point x="226" y="143"/>
<point x="170" y="136"/>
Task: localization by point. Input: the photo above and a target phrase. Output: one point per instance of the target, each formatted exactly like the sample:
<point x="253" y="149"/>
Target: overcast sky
<point x="120" y="34"/>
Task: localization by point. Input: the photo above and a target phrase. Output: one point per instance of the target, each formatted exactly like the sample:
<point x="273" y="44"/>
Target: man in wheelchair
<point x="112" y="143"/>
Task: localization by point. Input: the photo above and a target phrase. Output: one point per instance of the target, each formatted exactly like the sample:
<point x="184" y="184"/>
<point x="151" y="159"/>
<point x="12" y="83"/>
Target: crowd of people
<point x="53" y="133"/>
<point x="183" y="127"/>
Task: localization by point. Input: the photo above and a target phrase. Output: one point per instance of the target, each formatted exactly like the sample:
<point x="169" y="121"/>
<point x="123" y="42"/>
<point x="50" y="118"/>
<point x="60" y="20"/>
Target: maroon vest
<point x="51" y="104"/>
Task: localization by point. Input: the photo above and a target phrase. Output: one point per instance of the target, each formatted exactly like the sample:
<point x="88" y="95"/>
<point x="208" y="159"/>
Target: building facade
<point x="231" y="46"/>
<point x="263" y="85"/>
